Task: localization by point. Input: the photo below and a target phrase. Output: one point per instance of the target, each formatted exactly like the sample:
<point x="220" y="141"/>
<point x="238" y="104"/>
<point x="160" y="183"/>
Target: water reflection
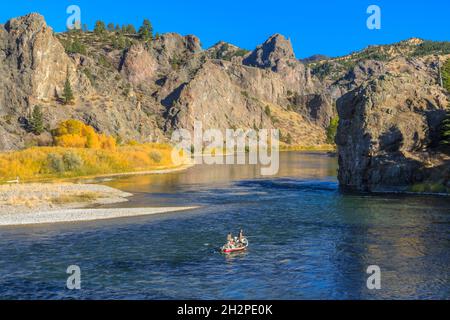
<point x="203" y="178"/>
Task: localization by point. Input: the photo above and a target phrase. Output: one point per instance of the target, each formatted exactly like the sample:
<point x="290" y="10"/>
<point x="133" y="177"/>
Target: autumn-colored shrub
<point x="76" y="134"/>
<point x="71" y="141"/>
<point x="107" y="142"/>
<point x="55" y="163"/>
<point x="72" y="161"/>
<point x="132" y="143"/>
<point x="155" y="156"/>
<point x="80" y="151"/>
<point x="38" y="163"/>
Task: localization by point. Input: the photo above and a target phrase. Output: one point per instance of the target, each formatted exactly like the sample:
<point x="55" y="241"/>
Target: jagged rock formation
<point x="146" y="90"/>
<point x="389" y="129"/>
<point x="33" y="56"/>
<point x="273" y="54"/>
<point x="227" y="51"/>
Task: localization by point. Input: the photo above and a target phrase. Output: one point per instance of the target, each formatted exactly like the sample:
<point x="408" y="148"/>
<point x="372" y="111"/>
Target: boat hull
<point x="234" y="250"/>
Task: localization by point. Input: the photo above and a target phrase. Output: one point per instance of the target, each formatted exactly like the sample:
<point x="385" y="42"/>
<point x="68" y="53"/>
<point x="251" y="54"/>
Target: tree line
<point x="145" y="32"/>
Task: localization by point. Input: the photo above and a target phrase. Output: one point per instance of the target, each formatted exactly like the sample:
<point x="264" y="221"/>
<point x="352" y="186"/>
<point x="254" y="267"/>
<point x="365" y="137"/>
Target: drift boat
<point x="235" y="247"/>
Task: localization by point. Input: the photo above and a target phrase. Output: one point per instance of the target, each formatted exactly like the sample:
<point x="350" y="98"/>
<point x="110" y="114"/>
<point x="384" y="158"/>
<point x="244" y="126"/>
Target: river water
<point x="307" y="241"/>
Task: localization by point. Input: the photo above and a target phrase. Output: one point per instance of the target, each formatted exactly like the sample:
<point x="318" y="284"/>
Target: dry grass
<point x="40" y="163"/>
<point x="34" y="197"/>
<point x="323" y="147"/>
<point x="31" y="201"/>
<point x="84" y="197"/>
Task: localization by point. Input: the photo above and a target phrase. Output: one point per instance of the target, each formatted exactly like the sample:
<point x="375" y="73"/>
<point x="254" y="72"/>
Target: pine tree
<point x="128" y="29"/>
<point x="111" y="27"/>
<point x="68" y="93"/>
<point x="37" y="122"/>
<point x="445" y="130"/>
<point x="446" y="74"/>
<point x="99" y="28"/>
<point x="131" y="29"/>
<point x="146" y="31"/>
<point x="332" y="130"/>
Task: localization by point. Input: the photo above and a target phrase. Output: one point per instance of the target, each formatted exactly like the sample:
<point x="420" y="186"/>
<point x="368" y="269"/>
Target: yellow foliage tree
<point x="107" y="142"/>
<point x="70" y="127"/>
<point x="71" y="141"/>
<point x="93" y="139"/>
<point x="76" y="134"/>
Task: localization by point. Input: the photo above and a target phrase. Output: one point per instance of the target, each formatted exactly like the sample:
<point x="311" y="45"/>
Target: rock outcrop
<point x="273" y="54"/>
<point x="225" y="95"/>
<point x="139" y="66"/>
<point x="389" y="130"/>
<point x="28" y="53"/>
<point x="34" y="58"/>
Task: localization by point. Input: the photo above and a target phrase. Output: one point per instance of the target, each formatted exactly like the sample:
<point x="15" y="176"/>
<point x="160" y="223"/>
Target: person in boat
<point x="241" y="236"/>
<point x="230" y="241"/>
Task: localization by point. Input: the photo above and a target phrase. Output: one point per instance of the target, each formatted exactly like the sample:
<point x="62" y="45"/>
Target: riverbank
<point x="318" y="148"/>
<point x="134" y="173"/>
<point x="40" y="164"/>
<point x="38" y="197"/>
<point x="39" y="203"/>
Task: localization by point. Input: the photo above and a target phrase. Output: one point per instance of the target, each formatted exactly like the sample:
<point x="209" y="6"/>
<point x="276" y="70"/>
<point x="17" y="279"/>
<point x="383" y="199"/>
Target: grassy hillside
<point x="335" y="68"/>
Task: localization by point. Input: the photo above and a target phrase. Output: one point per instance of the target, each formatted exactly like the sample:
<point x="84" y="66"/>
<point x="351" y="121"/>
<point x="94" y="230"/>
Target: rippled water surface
<point x="307" y="241"/>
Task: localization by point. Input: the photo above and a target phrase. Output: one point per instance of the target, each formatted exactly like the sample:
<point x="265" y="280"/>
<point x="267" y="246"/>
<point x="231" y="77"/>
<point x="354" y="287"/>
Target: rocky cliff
<point x="143" y="91"/>
<point x="388" y="136"/>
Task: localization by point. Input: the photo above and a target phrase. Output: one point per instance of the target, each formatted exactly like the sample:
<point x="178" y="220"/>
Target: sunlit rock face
<point x="145" y="91"/>
<point x="35" y="58"/>
<point x="389" y="130"/>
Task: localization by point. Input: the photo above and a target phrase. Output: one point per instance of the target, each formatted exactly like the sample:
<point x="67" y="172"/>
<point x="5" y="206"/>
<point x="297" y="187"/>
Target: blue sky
<point x="327" y="27"/>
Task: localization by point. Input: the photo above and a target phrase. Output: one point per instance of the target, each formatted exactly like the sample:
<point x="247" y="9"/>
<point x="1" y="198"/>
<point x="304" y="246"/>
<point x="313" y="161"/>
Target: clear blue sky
<point x="328" y="27"/>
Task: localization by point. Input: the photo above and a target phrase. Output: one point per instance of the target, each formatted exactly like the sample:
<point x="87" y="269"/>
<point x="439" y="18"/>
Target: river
<point x="307" y="241"/>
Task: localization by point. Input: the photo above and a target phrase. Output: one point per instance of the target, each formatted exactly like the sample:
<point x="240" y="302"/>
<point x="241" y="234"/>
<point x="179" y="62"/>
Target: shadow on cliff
<point x="398" y="173"/>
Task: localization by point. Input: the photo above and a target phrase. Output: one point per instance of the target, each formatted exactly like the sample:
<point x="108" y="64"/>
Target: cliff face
<point x="33" y="66"/>
<point x="389" y="129"/>
<point x="144" y="91"/>
<point x="226" y="95"/>
<point x="36" y="61"/>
